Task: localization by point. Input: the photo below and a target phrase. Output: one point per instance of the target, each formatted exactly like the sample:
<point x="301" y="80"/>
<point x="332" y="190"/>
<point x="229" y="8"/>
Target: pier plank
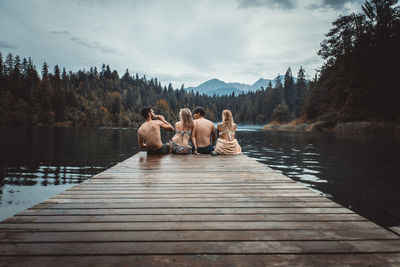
<point x="192" y="210"/>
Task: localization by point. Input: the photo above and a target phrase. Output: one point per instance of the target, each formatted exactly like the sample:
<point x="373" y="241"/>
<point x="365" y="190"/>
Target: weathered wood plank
<point x="187" y="211"/>
<point x="201" y="187"/>
<point x="375" y="259"/>
<point x="206" y="235"/>
<point x="174" y="198"/>
<point x="181" y="218"/>
<point x="194" y="196"/>
<point x="206" y="247"/>
<point x="225" y="225"/>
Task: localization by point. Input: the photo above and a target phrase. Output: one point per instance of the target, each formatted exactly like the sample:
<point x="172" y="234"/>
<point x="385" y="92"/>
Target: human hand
<point x="160" y="117"/>
<point x="195" y="152"/>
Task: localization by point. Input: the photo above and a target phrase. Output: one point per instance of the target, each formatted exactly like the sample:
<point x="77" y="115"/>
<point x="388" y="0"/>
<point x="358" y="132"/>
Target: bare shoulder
<point x="178" y="125"/>
<point x="141" y="128"/>
<point x="157" y="122"/>
<point x="210" y="122"/>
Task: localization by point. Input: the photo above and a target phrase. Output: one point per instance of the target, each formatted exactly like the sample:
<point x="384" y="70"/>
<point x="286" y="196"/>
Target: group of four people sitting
<point x="200" y="131"/>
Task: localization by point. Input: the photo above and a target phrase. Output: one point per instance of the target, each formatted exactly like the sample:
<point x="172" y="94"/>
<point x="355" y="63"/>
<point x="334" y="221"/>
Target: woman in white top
<point x="227" y="143"/>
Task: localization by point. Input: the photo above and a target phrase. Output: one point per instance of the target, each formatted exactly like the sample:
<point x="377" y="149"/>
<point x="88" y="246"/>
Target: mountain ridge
<point x="219" y="87"/>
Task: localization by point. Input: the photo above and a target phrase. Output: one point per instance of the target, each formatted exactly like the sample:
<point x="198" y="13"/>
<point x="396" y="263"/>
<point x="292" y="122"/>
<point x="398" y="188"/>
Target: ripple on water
<point x="309" y="171"/>
<point x="311" y="161"/>
<point x="311" y="178"/>
<point x="279" y="166"/>
<point x="310" y="154"/>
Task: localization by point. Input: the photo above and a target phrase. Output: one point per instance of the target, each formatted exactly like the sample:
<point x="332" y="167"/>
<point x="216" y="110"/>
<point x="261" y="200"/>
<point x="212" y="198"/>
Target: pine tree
<point x="1" y="67"/>
<point x="9" y="64"/>
<point x="278" y="82"/>
<point x="45" y="71"/>
<point x="301" y="87"/>
<point x="289" y="90"/>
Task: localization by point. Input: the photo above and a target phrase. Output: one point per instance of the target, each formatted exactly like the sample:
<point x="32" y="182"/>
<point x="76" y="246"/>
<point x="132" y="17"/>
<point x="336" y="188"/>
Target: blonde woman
<point x="227" y="143"/>
<point x="185" y="129"/>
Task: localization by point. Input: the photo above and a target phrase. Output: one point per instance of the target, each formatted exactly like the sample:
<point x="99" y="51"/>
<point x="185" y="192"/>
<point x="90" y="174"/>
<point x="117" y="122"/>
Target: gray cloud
<point x="283" y="4"/>
<point x="80" y="41"/>
<point x="7" y="45"/>
<point x="177" y="41"/>
<point x="61" y="32"/>
<point x="94" y="45"/>
<point x="334" y="4"/>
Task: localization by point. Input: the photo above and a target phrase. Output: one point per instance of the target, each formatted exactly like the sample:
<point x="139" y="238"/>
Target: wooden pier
<point x="193" y="211"/>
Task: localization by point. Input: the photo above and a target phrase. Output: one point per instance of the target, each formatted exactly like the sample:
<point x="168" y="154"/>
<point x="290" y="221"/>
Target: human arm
<point x="193" y="137"/>
<point x="213" y="135"/>
<point x="141" y="142"/>
<point x="164" y="124"/>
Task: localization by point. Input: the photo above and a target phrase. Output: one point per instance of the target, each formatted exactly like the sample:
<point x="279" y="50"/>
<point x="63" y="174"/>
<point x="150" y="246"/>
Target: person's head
<point x="185" y="116"/>
<point x="227" y="119"/>
<point x="147" y="112"/>
<point x="199" y="112"/>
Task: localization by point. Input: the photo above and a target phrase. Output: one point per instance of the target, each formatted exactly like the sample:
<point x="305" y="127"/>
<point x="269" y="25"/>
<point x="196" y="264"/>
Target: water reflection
<point x="359" y="172"/>
<point x="39" y="162"/>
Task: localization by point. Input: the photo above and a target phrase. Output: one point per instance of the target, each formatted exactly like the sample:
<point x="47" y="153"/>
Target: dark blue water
<point x="360" y="172"/>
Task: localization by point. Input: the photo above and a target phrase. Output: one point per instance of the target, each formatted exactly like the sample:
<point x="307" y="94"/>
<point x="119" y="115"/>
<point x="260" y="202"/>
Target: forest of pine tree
<point x="358" y="82"/>
<point x="104" y="98"/>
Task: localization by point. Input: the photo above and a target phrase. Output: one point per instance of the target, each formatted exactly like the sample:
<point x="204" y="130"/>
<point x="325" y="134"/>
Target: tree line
<point x="359" y="79"/>
<point x="102" y="97"/>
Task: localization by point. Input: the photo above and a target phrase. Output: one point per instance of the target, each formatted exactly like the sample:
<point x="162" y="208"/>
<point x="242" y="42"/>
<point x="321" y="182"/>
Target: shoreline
<point x="335" y="127"/>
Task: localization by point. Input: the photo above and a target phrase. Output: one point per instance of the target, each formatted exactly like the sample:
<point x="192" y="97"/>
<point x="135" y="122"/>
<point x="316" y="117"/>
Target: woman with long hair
<point x="227" y="143"/>
<point x="185" y="130"/>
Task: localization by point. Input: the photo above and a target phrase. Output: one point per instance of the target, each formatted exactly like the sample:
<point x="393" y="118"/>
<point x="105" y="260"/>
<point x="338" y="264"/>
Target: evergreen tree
<point x="45" y="71"/>
<point x="289" y="93"/>
<point x="301" y="87"/>
<point x="9" y="64"/>
<point x="358" y="79"/>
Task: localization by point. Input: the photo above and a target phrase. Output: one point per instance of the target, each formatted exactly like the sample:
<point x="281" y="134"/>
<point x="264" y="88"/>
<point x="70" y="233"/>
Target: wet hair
<point x="227" y="120"/>
<point x="185" y="116"/>
<point x="145" y="112"/>
<point x="200" y="110"/>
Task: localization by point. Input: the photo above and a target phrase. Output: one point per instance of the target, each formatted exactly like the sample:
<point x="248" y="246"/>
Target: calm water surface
<point x="361" y="172"/>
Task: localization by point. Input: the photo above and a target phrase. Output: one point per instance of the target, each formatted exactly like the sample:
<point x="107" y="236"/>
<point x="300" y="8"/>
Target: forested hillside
<point x="104" y="98"/>
<point x="359" y="80"/>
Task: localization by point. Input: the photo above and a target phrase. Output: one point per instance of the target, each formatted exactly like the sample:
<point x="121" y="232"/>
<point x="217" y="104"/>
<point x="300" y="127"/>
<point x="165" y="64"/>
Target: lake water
<point x="361" y="172"/>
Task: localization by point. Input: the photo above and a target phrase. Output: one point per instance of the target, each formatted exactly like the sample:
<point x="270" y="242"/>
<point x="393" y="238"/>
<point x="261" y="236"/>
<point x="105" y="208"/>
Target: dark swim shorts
<point x="205" y="150"/>
<point x="163" y="150"/>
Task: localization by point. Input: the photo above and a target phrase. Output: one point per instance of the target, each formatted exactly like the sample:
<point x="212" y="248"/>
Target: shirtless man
<point x="149" y="135"/>
<point x="204" y="130"/>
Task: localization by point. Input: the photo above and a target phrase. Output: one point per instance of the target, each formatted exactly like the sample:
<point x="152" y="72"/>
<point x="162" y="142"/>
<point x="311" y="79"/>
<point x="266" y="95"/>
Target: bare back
<point x="182" y="137"/>
<point x="204" y="130"/>
<point x="149" y="134"/>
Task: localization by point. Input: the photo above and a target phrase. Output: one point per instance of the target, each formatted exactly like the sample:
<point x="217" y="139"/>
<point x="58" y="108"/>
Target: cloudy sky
<point x="178" y="41"/>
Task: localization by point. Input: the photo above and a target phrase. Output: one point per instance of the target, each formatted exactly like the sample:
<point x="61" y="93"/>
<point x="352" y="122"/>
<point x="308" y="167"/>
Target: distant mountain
<point x="215" y="86"/>
<point x="218" y="87"/>
<point x="260" y="83"/>
<point x="241" y="86"/>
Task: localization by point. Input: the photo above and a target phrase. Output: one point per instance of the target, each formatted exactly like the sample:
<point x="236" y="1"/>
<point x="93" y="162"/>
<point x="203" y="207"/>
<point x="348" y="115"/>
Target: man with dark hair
<point x="205" y="131"/>
<point x="149" y="135"/>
